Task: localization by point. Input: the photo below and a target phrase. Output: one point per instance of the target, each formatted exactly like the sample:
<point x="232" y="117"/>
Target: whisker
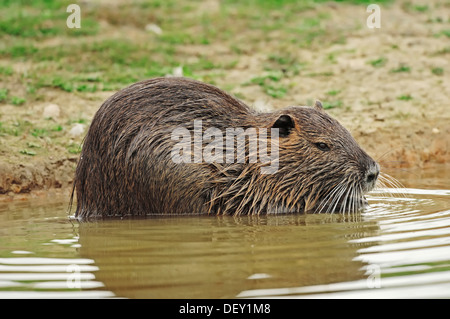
<point x="394" y="180"/>
<point x="353" y="203"/>
<point x="382" y="187"/>
<point x="360" y="204"/>
<point x="361" y="195"/>
<point x="383" y="155"/>
<point x="345" y="200"/>
<point x="329" y="197"/>
<point x="355" y="197"/>
<point x="334" y="198"/>
<point x="379" y="159"/>
<point x="394" y="183"/>
<point x="338" y="198"/>
<point x="405" y="170"/>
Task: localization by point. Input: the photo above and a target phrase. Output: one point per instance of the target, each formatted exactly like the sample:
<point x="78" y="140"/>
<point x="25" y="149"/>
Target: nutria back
<point x="180" y="146"/>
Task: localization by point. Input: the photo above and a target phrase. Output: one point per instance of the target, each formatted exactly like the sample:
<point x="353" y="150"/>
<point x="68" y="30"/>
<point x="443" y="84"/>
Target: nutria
<point x="127" y="164"/>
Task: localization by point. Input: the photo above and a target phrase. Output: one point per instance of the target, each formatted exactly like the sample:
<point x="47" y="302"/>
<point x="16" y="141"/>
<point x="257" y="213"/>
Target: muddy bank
<point x="40" y="175"/>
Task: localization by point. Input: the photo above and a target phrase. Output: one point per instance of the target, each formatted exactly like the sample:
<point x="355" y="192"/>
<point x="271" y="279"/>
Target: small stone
<point x="262" y="106"/>
<point x="153" y="28"/>
<point x="77" y="129"/>
<point x="176" y="72"/>
<point x="51" y="111"/>
<point x="16" y="188"/>
<point x="435" y="130"/>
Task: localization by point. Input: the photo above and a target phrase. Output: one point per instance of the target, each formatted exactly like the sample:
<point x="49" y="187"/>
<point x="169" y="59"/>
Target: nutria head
<point x="321" y="166"/>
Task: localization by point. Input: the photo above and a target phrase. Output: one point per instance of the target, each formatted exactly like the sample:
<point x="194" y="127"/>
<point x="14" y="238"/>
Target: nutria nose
<point x="372" y="173"/>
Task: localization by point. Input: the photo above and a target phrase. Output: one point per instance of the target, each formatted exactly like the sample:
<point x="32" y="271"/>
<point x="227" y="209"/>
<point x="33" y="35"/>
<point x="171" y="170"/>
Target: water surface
<point x="398" y="248"/>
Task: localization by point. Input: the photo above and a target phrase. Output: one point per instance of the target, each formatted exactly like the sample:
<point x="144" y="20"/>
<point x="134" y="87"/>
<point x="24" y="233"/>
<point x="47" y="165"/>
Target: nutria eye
<point x="322" y="146"/>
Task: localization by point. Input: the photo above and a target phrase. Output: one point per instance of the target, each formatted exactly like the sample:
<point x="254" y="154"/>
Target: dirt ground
<point x="399" y="110"/>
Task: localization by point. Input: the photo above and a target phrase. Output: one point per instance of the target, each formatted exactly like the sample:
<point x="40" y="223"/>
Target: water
<point x="399" y="248"/>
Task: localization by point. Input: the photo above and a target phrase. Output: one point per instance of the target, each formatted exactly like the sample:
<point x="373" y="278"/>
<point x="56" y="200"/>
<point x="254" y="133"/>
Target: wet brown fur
<point x="126" y="168"/>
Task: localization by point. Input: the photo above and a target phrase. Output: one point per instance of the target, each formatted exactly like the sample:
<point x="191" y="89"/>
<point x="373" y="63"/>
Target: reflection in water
<point x="204" y="257"/>
<point x="38" y="257"/>
<point x="40" y="275"/>
<point x="399" y="247"/>
<point x="409" y="257"/>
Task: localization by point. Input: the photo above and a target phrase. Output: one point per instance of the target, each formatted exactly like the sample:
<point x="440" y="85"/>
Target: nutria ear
<point x="318" y="105"/>
<point x="285" y="124"/>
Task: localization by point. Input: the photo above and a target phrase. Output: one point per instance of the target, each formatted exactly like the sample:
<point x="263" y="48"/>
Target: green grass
<point x="20" y="50"/>
<point x="73" y="148"/>
<point x="86" y="88"/>
<point x="17" y="100"/>
<point x="78" y="120"/>
<point x="378" y="62"/>
<point x="42" y="19"/>
<point x="3" y="95"/>
<point x="33" y="145"/>
<point x="50" y="130"/>
<point x="437" y="71"/>
<point x="24" y="128"/>
<point x="270" y="84"/>
<point x="57" y="128"/>
<point x="39" y="132"/>
<point x="268" y="78"/>
<point x="402" y="115"/>
<point x="116" y="62"/>
<point x="284" y="63"/>
<point x="4" y="130"/>
<point x="446" y="33"/>
<point x="276" y="91"/>
<point x="27" y="152"/>
<point x="331" y="104"/>
<point x="333" y="92"/>
<point x="58" y="82"/>
<point x="16" y="128"/>
<point x="35" y="32"/>
<point x="421" y="8"/>
<point x="401" y="68"/>
<point x="6" y="70"/>
<point x="325" y="73"/>
<point x="406" y="97"/>
<point x="443" y="51"/>
<point x="282" y="59"/>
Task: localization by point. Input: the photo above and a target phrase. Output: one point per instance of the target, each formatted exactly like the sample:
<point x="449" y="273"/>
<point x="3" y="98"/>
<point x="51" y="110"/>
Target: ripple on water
<point x="399" y="247"/>
<point x="408" y="256"/>
<point x="40" y="277"/>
